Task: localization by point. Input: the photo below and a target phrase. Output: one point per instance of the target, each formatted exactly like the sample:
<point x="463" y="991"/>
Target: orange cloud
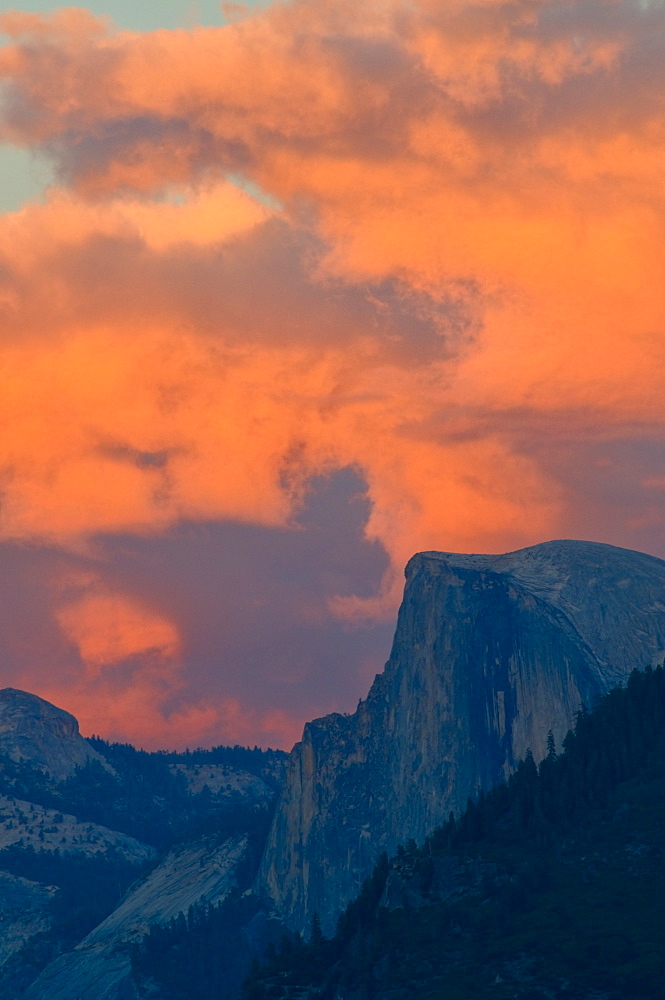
<point x="126" y="675"/>
<point x="444" y="272"/>
<point x="141" y="710"/>
<point x="136" y="714"/>
<point x="506" y="181"/>
<point x="107" y="628"/>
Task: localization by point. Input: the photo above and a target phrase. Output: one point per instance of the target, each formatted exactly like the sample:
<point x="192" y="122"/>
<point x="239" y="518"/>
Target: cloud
<point x="122" y="666"/>
<point x="206" y="633"/>
<point x="107" y="628"/>
<point x="418" y="242"/>
<point x="241" y="370"/>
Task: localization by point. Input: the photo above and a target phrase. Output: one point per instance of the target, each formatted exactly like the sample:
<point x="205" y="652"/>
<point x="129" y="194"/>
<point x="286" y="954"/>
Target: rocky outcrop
<point x="99" y="968"/>
<point x="221" y="779"/>
<point x="47" y="737"/>
<point x="32" y="826"/>
<point x="490" y="652"/>
<point x="24" y="912"/>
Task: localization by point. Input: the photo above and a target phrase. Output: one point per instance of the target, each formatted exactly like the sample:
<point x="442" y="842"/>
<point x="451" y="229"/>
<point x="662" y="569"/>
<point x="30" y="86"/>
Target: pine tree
<point x="551" y="746"/>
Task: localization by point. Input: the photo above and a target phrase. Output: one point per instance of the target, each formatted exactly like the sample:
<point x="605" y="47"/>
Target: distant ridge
<point x="48" y="738"/>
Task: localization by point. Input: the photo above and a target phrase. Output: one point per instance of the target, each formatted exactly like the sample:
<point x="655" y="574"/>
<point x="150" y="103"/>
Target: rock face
<point x="33" y="730"/>
<point x="99" y="968"/>
<point x="23" y="912"/>
<point x="490" y="653"/>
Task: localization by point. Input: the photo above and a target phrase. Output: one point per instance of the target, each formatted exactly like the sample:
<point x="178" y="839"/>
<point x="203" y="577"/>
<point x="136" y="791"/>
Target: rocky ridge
<point x="30" y="825"/>
<point x="33" y="730"/>
<point x="220" y="778"/>
<point x="490" y="653"/>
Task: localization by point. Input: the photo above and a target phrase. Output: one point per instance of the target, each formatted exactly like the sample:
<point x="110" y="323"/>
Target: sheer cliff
<point x="490" y="652"/>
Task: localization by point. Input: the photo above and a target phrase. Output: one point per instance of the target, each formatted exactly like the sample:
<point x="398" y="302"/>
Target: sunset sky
<point x="291" y="292"/>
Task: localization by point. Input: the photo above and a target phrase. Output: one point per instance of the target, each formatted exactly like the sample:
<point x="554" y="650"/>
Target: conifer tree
<point x="551" y="746"/>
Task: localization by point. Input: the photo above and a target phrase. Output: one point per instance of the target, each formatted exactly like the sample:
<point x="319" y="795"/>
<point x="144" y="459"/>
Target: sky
<point x="291" y="292"/>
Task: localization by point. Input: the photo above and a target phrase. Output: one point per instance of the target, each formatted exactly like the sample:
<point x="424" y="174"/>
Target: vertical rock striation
<point x="490" y="652"/>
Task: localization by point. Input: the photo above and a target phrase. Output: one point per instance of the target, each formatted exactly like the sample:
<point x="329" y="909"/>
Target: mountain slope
<point x="490" y="652"/>
<point x="549" y="886"/>
<point x="83" y="821"/>
<point x="99" y="967"/>
<point x="30" y="826"/>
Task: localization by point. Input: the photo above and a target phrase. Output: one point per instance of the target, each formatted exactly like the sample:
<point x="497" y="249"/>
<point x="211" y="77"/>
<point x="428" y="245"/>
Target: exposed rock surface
<point x="23" y="912"/>
<point x="28" y="824"/>
<point x="33" y="730"/>
<point x="99" y="967"/>
<point x="224" y="779"/>
<point x="490" y="652"/>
